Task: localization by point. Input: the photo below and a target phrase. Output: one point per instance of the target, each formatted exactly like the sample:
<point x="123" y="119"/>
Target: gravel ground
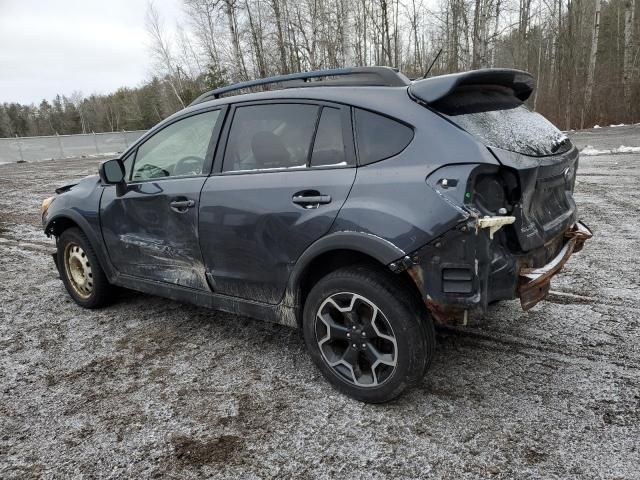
<point x="152" y="388"/>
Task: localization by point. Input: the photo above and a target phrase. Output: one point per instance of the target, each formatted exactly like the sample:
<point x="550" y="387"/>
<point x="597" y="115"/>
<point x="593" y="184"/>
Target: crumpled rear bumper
<point x="534" y="283"/>
<point x="462" y="272"/>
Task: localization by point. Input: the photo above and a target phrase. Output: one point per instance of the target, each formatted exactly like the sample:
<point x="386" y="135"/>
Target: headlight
<point x="45" y="205"/>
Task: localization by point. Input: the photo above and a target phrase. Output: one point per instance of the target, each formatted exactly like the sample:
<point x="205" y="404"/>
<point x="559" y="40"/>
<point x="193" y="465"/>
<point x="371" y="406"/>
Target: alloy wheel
<point x="356" y="339"/>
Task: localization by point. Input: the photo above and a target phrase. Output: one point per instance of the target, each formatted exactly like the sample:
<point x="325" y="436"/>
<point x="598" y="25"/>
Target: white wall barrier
<point x="31" y="149"/>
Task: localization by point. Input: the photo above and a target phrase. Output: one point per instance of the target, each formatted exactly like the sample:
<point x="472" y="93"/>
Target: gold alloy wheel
<point x="78" y="270"/>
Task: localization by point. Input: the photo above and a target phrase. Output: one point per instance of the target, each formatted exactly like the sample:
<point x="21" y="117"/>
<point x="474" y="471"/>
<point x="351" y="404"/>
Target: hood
<point x="88" y="180"/>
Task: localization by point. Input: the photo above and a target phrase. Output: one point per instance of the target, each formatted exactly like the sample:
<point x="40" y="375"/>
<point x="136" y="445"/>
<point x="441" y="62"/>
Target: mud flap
<point x="55" y="261"/>
<point x="534" y="283"/>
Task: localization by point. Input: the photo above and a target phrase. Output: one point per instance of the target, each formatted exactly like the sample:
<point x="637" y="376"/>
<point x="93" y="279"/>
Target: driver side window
<point x="178" y="150"/>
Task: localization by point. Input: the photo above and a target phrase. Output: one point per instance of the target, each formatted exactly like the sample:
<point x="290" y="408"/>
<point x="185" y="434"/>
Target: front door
<point x="286" y="172"/>
<point x="151" y="231"/>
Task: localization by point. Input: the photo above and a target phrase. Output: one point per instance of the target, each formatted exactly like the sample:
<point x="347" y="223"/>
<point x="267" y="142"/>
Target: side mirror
<point x="112" y="172"/>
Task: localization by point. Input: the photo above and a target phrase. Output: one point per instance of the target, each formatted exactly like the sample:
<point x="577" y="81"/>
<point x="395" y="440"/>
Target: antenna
<point x="432" y="64"/>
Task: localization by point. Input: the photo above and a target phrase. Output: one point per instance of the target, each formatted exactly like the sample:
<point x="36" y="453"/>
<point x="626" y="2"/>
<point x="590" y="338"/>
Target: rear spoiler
<point x="433" y="89"/>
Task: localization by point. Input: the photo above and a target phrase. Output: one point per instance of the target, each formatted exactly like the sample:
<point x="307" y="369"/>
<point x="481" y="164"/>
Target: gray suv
<point x="353" y="204"/>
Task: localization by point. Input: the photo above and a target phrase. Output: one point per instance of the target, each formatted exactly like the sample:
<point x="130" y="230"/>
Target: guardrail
<point x="31" y="149"/>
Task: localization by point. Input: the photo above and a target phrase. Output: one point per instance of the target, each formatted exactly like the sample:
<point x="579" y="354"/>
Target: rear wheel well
<point x="328" y="262"/>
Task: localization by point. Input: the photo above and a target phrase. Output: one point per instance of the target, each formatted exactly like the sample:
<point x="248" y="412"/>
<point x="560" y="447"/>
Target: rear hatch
<point x="489" y="104"/>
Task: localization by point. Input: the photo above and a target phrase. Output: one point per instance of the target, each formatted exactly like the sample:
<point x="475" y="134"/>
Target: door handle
<point x="311" y="201"/>
<point x="181" y="206"/>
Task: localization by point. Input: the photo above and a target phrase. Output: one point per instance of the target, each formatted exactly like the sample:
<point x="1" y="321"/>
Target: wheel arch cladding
<point x="59" y="224"/>
<point x="339" y="250"/>
<point x="70" y="219"/>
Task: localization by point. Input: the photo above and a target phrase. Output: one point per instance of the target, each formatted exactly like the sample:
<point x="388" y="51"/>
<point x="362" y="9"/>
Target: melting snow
<point x="517" y="130"/>
<point x="589" y="150"/>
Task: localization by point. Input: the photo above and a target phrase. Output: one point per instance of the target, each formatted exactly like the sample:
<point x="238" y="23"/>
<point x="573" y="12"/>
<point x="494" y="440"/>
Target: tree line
<point x="585" y="54"/>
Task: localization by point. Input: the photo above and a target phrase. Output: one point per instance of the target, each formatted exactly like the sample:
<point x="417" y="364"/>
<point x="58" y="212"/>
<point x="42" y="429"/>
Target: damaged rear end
<point x="521" y="223"/>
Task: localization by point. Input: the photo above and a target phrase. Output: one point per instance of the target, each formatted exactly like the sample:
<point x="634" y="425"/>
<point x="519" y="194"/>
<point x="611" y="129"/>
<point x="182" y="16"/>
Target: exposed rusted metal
<point x="443" y="314"/>
<point x="415" y="272"/>
<point x="534" y="283"/>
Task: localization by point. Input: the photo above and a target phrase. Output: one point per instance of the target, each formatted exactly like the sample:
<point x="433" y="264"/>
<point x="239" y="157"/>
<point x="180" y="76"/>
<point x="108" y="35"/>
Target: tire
<point x="394" y="347"/>
<point x="81" y="271"/>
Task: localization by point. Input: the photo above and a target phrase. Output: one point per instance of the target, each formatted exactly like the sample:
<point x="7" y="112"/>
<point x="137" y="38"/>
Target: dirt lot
<point x="153" y="388"/>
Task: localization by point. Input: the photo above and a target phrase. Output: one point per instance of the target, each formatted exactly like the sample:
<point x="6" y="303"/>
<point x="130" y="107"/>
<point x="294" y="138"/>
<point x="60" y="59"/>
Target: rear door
<point x="280" y="182"/>
<point x="151" y="230"/>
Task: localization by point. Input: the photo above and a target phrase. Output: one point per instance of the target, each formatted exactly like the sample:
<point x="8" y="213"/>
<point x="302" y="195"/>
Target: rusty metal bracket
<point x="534" y="283"/>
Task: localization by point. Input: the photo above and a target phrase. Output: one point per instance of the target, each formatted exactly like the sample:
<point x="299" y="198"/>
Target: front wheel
<point x="369" y="336"/>
<point x="80" y="270"/>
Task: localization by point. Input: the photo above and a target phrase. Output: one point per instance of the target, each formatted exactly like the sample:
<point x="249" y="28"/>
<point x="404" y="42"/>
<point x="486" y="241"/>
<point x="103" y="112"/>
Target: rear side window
<point x="379" y="137"/>
<point x="329" y="147"/>
<point x="500" y="120"/>
<point x="264" y="137"/>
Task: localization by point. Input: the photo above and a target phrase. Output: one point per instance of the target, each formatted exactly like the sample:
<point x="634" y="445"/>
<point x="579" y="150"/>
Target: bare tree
<point x="588" y="92"/>
<point x="77" y="99"/>
<point x="279" y="21"/>
<point x="161" y="50"/>
<point x="232" y="19"/>
<point x="627" y="70"/>
<point x="203" y="16"/>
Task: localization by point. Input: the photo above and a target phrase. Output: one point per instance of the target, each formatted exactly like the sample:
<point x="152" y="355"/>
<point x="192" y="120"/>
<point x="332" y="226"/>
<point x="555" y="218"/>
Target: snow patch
<point x="623" y="149"/>
<point x="589" y="150"/>
<point x="619" y="125"/>
<point x="597" y="126"/>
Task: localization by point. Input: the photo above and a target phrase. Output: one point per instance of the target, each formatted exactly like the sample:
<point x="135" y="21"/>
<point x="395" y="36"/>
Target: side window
<point x="176" y="151"/>
<point x="128" y="163"/>
<point x="270" y="136"/>
<point x="328" y="147"/>
<point x="379" y="137"/>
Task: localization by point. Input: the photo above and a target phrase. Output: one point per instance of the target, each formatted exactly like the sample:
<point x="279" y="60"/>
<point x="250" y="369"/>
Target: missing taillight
<point x="494" y="192"/>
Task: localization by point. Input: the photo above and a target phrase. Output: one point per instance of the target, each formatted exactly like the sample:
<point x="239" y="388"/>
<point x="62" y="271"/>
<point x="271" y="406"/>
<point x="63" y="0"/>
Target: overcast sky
<point x="59" y="46"/>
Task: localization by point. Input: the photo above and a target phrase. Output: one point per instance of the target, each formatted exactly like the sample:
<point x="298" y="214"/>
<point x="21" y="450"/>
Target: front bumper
<point x="462" y="272"/>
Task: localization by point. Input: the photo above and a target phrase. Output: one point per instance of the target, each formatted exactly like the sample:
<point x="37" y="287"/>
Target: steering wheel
<point x="190" y="165"/>
<point x="150" y="171"/>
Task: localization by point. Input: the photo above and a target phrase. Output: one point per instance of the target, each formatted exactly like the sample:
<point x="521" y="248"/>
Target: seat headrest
<point x="269" y="151"/>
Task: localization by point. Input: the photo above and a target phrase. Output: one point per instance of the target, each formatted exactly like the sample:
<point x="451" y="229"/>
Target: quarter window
<point x="328" y="147"/>
<point x="128" y="164"/>
<point x="264" y="137"/>
<point x="177" y="150"/>
<point x="379" y="137"/>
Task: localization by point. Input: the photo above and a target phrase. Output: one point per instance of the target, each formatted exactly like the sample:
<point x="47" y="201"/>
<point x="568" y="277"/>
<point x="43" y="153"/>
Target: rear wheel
<point x="80" y="270"/>
<point x="368" y="336"/>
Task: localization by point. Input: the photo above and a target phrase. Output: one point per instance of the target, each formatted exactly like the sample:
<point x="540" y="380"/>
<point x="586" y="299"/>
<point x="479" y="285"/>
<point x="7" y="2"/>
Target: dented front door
<point x="151" y="231"/>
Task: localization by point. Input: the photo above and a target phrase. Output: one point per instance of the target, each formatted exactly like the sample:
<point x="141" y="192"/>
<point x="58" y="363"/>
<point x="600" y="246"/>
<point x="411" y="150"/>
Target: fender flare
<point x="369" y="244"/>
<point x="92" y="236"/>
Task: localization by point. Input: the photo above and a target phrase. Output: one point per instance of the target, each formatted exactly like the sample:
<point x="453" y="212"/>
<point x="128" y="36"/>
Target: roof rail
<point x="353" y="76"/>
